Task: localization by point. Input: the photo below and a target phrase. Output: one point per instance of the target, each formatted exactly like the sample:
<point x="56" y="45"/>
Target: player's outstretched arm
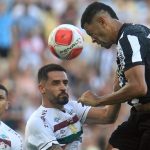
<point x="135" y="87"/>
<point x="106" y="114"/>
<point x="103" y="115"/>
<point x="55" y="147"/>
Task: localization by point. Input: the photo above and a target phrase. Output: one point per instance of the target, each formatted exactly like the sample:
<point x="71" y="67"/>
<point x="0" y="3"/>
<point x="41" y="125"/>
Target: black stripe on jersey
<point x="125" y="52"/>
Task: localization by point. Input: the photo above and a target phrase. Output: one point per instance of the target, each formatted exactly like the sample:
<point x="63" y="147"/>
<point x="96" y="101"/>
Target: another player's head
<point x="98" y="20"/>
<point x="3" y="99"/>
<point x="53" y="84"/>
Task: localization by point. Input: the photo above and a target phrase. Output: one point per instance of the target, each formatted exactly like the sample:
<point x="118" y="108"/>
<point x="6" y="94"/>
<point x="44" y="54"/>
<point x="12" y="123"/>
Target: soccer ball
<point x="65" y="41"/>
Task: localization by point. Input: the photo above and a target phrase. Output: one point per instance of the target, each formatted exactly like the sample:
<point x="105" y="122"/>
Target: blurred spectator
<point x="31" y="47"/>
<point x="69" y="16"/>
<point x="26" y="23"/>
<point x="6" y="30"/>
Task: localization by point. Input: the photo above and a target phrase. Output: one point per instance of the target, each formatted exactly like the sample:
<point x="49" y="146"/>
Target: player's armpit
<point x="55" y="147"/>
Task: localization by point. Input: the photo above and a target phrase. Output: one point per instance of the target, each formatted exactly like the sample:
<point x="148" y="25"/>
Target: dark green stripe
<point x="70" y="138"/>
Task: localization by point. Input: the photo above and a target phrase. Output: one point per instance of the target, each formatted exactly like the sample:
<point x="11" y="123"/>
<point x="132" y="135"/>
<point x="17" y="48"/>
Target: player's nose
<point x="63" y="86"/>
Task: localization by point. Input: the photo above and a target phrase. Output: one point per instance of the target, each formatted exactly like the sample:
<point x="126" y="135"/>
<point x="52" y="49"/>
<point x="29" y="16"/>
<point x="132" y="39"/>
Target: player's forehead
<point x="57" y="75"/>
<point x="88" y="28"/>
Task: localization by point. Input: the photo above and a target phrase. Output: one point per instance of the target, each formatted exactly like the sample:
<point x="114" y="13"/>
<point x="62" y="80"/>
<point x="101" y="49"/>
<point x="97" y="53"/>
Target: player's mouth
<point x="101" y="43"/>
<point x="64" y="95"/>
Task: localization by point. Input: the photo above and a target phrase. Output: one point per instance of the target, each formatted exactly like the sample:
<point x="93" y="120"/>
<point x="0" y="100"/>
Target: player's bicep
<point x="136" y="78"/>
<point x="136" y="74"/>
<point x="55" y="147"/>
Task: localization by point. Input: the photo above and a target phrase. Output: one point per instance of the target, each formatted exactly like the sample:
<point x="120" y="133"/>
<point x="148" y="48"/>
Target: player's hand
<point x="88" y="98"/>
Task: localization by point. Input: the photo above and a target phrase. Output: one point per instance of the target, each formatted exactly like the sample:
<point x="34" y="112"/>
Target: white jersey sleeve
<point x="80" y="110"/>
<point x="38" y="135"/>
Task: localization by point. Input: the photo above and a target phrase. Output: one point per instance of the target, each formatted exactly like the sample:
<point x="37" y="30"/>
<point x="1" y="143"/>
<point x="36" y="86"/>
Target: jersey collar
<point x="121" y="31"/>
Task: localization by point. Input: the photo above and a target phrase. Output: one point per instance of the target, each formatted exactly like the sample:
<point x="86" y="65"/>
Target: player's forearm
<point x="126" y="93"/>
<point x="112" y="113"/>
<point x="113" y="110"/>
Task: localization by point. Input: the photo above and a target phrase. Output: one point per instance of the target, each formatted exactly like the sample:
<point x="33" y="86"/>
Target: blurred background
<point x="24" y="29"/>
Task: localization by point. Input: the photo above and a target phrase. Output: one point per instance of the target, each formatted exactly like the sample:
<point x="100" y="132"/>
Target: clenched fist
<point x="89" y="98"/>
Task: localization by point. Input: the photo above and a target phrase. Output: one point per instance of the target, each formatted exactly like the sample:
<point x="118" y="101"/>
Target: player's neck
<point x="50" y="105"/>
<point x="117" y="27"/>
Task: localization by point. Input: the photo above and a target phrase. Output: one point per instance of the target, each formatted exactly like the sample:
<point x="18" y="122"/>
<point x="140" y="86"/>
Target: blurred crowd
<point x="24" y="29"/>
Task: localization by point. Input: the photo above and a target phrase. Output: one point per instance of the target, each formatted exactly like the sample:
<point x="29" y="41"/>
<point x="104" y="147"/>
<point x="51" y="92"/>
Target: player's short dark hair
<point x="93" y="9"/>
<point x="43" y="71"/>
<point x="2" y="87"/>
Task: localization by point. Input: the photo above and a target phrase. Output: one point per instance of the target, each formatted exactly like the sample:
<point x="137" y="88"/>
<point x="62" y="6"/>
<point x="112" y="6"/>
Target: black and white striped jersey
<point x="133" y="48"/>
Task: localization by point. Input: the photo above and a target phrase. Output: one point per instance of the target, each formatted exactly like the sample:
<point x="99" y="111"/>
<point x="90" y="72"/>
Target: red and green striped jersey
<point x="49" y="126"/>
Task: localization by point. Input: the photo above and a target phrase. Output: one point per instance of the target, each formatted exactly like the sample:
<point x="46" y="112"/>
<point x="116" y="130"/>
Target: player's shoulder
<point x="135" y="29"/>
<point x="72" y="103"/>
<point x="5" y="127"/>
<point x="35" y="118"/>
<point x="9" y="130"/>
<point x="75" y="106"/>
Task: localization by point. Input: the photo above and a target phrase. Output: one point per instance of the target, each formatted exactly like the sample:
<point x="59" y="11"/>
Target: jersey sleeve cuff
<point x="48" y="145"/>
<point x="83" y="118"/>
<point x="128" y="66"/>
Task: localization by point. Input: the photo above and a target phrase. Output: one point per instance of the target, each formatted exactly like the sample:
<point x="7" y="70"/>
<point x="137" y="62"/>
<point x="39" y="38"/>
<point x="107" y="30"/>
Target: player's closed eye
<point x="2" y="98"/>
<point x="65" y="82"/>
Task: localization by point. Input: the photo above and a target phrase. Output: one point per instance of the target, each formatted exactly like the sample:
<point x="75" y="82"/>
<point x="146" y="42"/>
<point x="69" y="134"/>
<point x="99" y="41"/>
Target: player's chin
<point x="63" y="100"/>
<point x="107" y="46"/>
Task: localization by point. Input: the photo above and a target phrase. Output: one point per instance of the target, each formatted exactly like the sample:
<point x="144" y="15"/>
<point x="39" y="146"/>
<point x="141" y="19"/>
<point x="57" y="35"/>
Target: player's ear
<point x="101" y="20"/>
<point x="41" y="88"/>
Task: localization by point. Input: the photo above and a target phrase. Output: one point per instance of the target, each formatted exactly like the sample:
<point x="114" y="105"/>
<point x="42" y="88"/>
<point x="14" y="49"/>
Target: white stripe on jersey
<point x="133" y="40"/>
<point x="148" y="36"/>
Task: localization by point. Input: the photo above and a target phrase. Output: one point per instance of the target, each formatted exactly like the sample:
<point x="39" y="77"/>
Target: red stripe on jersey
<point x="5" y="141"/>
<point x="65" y="123"/>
